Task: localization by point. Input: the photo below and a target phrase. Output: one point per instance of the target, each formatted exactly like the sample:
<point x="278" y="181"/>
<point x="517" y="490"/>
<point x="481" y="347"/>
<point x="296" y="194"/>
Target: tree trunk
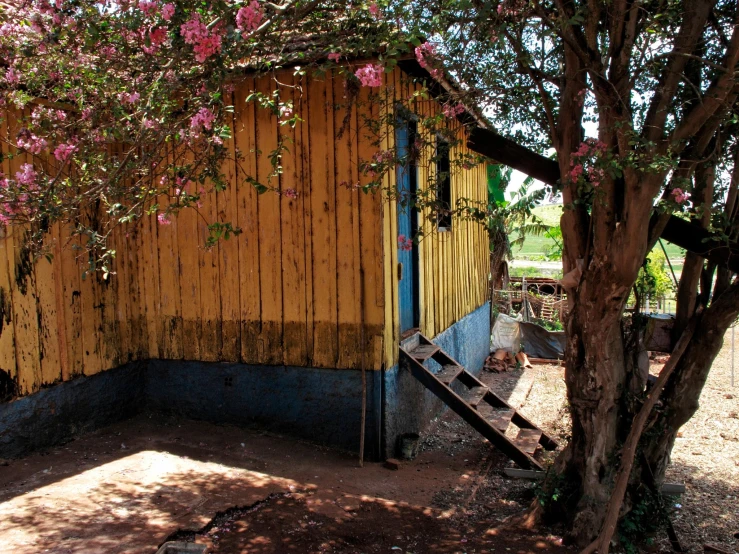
<point x="596" y="370"/>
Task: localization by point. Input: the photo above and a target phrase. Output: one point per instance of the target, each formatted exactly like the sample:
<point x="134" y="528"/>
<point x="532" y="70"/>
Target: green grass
<point x="535" y="248"/>
<point x="532" y="271"/>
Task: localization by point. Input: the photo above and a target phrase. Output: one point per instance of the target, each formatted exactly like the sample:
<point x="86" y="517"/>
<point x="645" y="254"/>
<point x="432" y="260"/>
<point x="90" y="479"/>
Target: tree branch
<point x="690" y="33"/>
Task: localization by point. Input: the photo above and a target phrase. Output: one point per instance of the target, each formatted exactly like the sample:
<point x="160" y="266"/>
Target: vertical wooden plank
<point x="228" y="255"/>
<point x="72" y="300"/>
<point x="189" y="275"/>
<point x="149" y="272"/>
<point x="390" y="223"/>
<point x="210" y="291"/>
<point x="46" y="310"/>
<point x="323" y="223"/>
<point x="25" y="318"/>
<point x="7" y="325"/>
<point x="370" y="248"/>
<point x="347" y="262"/>
<point x="7" y="330"/>
<point x="23" y="292"/>
<point x="293" y="236"/>
<point x="249" y="283"/>
<point x="138" y="334"/>
<point x="121" y="298"/>
<point x="269" y="345"/>
<point x="170" y="332"/>
<point x="303" y="95"/>
<point x="92" y="325"/>
<point x="110" y="347"/>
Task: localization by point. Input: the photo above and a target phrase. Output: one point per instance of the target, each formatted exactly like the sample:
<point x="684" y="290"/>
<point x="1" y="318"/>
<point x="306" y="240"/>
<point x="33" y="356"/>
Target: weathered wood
<point x="347" y="230"/>
<point x="424" y="351"/>
<point x="516" y="473"/>
<point x="449" y="373"/>
<point x="528" y="439"/>
<point x="468" y="413"/>
<point x="170" y="330"/>
<point x="249" y="282"/>
<point x="474" y="395"/>
<point x="295" y="272"/>
<point x="323" y="225"/>
<point x="293" y="236"/>
<point x="210" y="289"/>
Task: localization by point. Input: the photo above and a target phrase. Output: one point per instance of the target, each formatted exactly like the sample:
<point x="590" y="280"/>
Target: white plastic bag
<point x="506" y="334"/>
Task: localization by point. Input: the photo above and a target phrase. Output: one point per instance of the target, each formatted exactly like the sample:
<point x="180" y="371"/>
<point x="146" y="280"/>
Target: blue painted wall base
<point x="322" y="405"/>
<point x="409" y="407"/>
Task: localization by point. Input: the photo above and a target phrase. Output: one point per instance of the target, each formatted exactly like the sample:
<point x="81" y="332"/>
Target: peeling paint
<point x="8" y="386"/>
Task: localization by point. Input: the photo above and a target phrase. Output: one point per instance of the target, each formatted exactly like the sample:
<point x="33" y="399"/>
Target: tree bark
<point x="628" y="454"/>
<point x="595" y="374"/>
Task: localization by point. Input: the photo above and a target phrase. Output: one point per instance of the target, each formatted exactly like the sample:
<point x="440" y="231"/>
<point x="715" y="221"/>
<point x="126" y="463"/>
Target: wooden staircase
<point x="485" y="411"/>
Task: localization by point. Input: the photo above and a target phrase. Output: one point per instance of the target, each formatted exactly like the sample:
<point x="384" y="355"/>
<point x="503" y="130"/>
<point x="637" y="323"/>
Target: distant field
<point x="535" y="248"/>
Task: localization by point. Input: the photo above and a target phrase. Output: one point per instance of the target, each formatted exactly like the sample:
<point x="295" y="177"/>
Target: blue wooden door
<point x="407" y="177"/>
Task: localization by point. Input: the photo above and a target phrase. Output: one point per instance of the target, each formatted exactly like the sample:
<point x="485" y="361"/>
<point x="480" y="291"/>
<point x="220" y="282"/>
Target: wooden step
<point x="424" y="351"/>
<point x="449" y="373"/>
<point x="442" y="358"/>
<point x="474" y="395"/>
<point x="501" y="419"/>
<point x="486" y="412"/>
<point x="498" y="417"/>
<point x="527" y="440"/>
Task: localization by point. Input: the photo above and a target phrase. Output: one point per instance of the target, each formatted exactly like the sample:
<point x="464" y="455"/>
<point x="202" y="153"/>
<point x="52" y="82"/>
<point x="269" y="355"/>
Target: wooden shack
<point x="275" y="327"/>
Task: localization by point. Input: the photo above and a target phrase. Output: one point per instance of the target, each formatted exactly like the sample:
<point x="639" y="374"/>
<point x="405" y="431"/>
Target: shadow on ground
<point x="713" y="503"/>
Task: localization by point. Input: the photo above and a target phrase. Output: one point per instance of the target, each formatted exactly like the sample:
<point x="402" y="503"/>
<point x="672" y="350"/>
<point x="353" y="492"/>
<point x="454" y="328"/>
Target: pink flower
<point x="425" y="53"/>
<point x="204" y="118"/>
<point x="370" y="75"/>
<point x="203" y="42"/>
<point x="575" y="172"/>
<point x="451" y="111"/>
<point x="290" y="193"/>
<point x="168" y="11"/>
<point x="374" y="9"/>
<point x="149" y="8"/>
<point x="30" y="142"/>
<point x="129" y="97"/>
<point x="157" y="37"/>
<point x="26" y="176"/>
<point x="163" y="219"/>
<point x="249" y="17"/>
<point x="334" y="57"/>
<point x="149" y="123"/>
<point x="286" y="110"/>
<point x="12" y="76"/>
<point x="404" y="243"/>
<point x="679" y="196"/>
<point x="64" y="151"/>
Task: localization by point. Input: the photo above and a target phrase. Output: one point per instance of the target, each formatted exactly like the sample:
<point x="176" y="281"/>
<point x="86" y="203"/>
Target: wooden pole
<point x="364" y="374"/>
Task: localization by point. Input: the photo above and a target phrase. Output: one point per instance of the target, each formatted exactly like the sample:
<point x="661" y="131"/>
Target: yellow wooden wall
<point x="453" y="265"/>
<point x="292" y="289"/>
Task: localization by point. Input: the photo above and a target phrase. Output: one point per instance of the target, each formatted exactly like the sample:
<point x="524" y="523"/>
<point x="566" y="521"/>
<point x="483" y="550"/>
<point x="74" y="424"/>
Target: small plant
<point x="550" y="325"/>
<point x="642" y="522"/>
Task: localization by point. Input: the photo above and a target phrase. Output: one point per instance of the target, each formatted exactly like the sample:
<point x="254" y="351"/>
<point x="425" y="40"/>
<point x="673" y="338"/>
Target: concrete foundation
<point x="321" y="405"/>
<point x="409" y="407"/>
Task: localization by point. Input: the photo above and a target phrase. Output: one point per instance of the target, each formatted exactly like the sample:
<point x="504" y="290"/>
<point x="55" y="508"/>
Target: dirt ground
<point x="130" y="487"/>
<point x="705" y="457"/>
